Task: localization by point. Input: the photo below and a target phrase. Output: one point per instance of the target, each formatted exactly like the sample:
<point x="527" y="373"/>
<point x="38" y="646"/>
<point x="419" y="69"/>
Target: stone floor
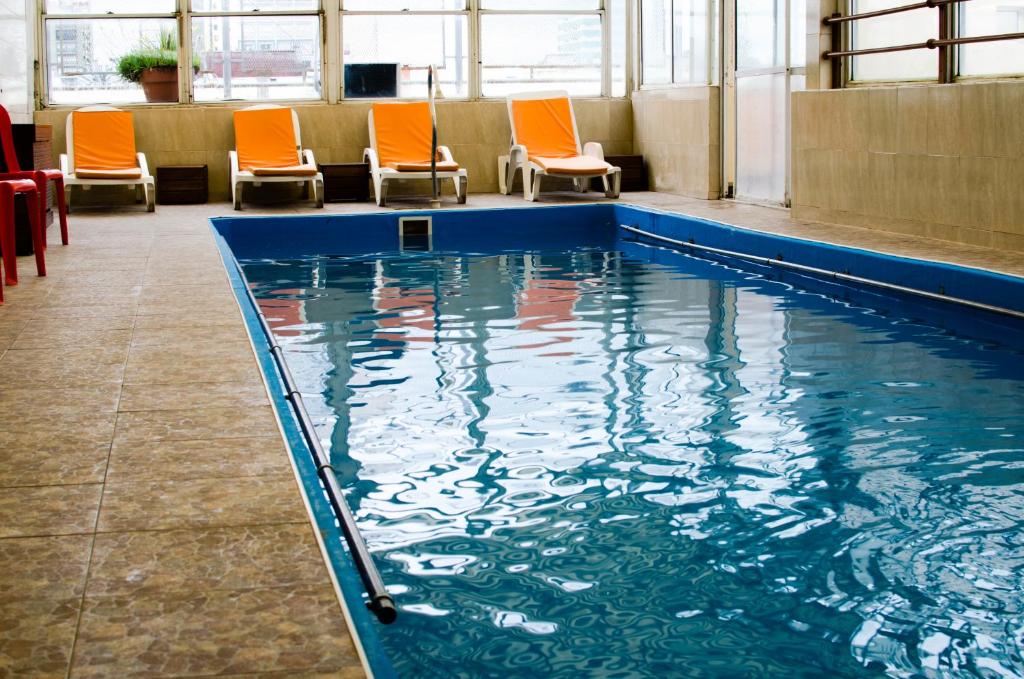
<point x="150" y="521"/>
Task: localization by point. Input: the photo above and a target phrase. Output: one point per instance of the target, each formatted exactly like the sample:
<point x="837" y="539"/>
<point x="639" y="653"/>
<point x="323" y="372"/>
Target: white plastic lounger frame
<point x="67" y="166"/>
<point x="382" y="176"/>
<point x="315" y="183"/>
<point x="518" y="158"/>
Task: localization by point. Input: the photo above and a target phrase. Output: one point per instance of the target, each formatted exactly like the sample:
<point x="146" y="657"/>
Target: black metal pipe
<point x="381" y="603"/>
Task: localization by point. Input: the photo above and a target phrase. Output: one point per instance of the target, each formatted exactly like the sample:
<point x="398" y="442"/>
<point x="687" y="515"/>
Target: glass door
<point x="770" y="46"/>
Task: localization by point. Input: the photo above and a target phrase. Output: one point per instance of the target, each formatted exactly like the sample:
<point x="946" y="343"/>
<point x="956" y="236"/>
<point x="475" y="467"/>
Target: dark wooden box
<point x="33" y="147"/>
<point x="346" y="182"/>
<point x="182" y="184"/>
<point x="634" y="173"/>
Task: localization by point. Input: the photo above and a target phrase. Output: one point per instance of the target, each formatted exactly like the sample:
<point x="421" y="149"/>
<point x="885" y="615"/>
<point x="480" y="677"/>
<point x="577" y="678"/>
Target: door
<point x="770" y="46"/>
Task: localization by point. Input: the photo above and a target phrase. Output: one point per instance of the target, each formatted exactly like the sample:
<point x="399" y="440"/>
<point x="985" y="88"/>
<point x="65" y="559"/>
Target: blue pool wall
<point x="497" y="229"/>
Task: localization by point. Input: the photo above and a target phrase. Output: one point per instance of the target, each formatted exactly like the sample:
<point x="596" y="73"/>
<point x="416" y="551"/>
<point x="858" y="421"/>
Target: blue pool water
<point x="610" y="459"/>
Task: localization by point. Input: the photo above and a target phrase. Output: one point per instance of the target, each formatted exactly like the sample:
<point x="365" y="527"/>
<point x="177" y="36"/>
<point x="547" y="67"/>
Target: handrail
<point x="381" y="603"/>
<point x="929" y="44"/>
<point x="842" y="19"/>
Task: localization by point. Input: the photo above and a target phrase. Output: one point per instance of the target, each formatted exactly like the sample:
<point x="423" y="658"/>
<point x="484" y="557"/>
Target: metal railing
<point x="838" y="23"/>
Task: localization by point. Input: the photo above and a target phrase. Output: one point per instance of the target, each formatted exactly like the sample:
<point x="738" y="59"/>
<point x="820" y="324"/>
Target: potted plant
<point x="155" y="68"/>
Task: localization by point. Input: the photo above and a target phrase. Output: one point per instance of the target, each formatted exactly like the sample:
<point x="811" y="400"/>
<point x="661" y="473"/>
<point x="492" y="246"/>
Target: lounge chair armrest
<point x="143" y="165"/>
<point x="594" y="150"/>
<point x="517" y="155"/>
<point x="307" y="155"/>
<point x="446" y="154"/>
<point x="370" y="156"/>
<point x="64" y="164"/>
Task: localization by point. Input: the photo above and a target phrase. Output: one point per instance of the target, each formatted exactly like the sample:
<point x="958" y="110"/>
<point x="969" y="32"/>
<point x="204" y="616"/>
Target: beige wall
<point x="477" y="132"/>
<point x="677" y="131"/>
<point x="942" y="161"/>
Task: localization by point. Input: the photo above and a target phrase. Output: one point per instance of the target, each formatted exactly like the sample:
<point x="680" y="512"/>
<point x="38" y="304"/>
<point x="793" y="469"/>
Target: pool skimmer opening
<point x="415" y="233"/>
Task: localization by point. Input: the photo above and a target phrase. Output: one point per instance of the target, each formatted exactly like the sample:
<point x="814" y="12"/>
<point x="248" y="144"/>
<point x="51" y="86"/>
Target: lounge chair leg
<point x="461" y="189"/>
<point x="317" y="188"/>
<point x="506" y="175"/>
<point x="150" y="193"/>
<point x="236" y="196"/>
<point x="531" y="184"/>
<point x="616" y="185"/>
<point x="382" y="194"/>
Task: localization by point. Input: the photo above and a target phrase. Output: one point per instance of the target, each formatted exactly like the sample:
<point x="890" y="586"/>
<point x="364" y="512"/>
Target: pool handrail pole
<point x="381" y="602"/>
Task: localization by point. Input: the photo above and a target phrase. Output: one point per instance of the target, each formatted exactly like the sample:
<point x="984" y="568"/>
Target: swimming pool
<point x="575" y="452"/>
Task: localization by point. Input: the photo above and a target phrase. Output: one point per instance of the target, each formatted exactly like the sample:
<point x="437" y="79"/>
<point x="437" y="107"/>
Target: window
<point x="679" y="41"/>
<point x="988" y="17"/>
<point x="94" y="54"/>
<point x="413" y="35"/>
<point x="541" y="45"/>
<point x="894" y="29"/>
<point x="239" y="56"/>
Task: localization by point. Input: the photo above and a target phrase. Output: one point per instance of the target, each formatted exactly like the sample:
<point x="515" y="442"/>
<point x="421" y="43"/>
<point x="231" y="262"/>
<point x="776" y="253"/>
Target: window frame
<point x="712" y="47"/>
<point x="331" y="16"/>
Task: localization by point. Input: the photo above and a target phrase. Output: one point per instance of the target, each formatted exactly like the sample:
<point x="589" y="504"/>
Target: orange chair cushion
<point x="403" y="133"/>
<point x="577" y="165"/>
<point x="104" y="141"/>
<point x="87" y="173"/>
<point x="442" y="166"/>
<point x="265" y="138"/>
<point x="290" y="171"/>
<point x="545" y="127"/>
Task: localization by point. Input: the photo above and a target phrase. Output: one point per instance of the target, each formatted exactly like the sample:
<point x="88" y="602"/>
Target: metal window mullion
<point x="185" y="77"/>
<point x="476" y="67"/>
<point x="275" y="13"/>
<point x="333" y="52"/>
<point x="629" y="75"/>
<point x="136" y="15"/>
<point x="606" y="50"/>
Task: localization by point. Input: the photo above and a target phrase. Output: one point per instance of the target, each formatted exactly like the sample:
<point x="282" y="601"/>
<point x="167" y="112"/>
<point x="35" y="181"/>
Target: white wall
<point x="16" y="77"/>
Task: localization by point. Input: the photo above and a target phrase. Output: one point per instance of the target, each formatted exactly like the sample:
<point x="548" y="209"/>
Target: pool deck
<point x="150" y="521"/>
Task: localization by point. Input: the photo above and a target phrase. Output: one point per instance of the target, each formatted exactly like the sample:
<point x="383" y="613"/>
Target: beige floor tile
<point x="161" y="505"/>
<point x="50" y="401"/>
<point x="49" y="510"/>
<point x="36" y="637"/>
<point x="170" y="635"/>
<point x="74" y="337"/>
<point x="44" y="568"/>
<point x="182" y="460"/>
<point x="248" y="557"/>
<point x="64" y="460"/>
<point x="191" y="425"/>
<point x="189" y="321"/>
<point x="63" y="367"/>
<point x="231" y="331"/>
<point x="171" y="370"/>
<point x="192" y="396"/>
<point x="46" y="323"/>
<point x="76" y="311"/>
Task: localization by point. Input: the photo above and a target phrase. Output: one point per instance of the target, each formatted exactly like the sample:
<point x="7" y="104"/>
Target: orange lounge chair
<point x="268" y="149"/>
<point x="400" y="140"/>
<point x="545" y="143"/>
<point x="101" y="152"/>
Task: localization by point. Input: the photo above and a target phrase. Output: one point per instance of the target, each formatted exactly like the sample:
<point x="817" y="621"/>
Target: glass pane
<point x="760" y="41"/>
<point x="257" y="58"/>
<point x="656" y="28"/>
<point x="412" y="43"/>
<point x="690" y="38"/>
<point x="541" y="52"/>
<point x="15" y="76"/>
<point x="403" y="5"/>
<point x="252" y="5"/>
<point x="797" y="33"/>
<point x="540" y="4"/>
<point x="894" y="29"/>
<point x="92" y="61"/>
<point x="110" y="6"/>
<point x="988" y="17"/>
<point x="617" y="15"/>
<point x="761" y="137"/>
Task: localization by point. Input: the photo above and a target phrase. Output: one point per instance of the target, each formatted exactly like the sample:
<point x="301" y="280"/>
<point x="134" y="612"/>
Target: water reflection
<point x="622" y="461"/>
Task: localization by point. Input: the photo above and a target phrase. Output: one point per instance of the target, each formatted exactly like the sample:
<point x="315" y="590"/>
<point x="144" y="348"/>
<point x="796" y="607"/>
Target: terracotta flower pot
<point x="160" y="84"/>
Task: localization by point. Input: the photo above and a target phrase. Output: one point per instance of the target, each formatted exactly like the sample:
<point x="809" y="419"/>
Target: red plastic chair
<point x="8" y="190"/>
<point x="40" y="177"/>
